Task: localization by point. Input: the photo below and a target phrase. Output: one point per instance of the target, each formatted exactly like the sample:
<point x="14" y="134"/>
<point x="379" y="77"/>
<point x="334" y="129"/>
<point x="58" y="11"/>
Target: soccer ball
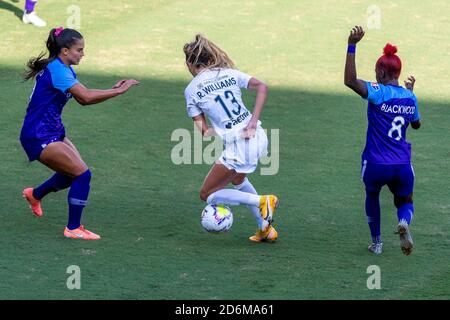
<point x="217" y="218"/>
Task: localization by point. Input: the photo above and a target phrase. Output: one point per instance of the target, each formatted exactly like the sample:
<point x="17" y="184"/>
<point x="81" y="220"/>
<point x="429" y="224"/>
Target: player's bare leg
<point x="218" y="178"/>
<point x="70" y="144"/>
<point x="239" y="179"/>
<point x="64" y="158"/>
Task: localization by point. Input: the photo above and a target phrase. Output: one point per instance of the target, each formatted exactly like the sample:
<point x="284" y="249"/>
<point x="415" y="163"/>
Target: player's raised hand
<point x="409" y="84"/>
<point x="126" y="84"/>
<point x="356" y="34"/>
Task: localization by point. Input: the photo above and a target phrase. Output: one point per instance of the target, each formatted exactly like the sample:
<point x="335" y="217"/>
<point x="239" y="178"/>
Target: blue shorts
<point x="398" y="177"/>
<point x="34" y="147"/>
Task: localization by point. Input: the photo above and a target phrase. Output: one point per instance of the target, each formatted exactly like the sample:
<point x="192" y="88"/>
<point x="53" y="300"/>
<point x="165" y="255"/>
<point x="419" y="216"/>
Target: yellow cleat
<point x="270" y="234"/>
<point x="267" y="206"/>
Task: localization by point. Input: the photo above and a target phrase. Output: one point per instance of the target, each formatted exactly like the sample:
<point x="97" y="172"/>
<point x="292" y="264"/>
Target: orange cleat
<point x="270" y="234"/>
<point x="81" y="233"/>
<point x="35" y="204"/>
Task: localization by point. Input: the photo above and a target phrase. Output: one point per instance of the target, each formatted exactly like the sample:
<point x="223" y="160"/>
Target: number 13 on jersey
<point x="236" y="106"/>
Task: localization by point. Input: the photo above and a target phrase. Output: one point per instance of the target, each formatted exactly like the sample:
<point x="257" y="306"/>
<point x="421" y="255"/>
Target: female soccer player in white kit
<point x="215" y="92"/>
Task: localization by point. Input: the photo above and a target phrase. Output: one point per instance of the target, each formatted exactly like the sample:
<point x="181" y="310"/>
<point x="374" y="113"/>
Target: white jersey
<point x="217" y="94"/>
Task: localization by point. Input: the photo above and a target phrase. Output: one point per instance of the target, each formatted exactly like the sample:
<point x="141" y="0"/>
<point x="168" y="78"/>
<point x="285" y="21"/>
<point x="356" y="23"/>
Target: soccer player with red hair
<point x="386" y="159"/>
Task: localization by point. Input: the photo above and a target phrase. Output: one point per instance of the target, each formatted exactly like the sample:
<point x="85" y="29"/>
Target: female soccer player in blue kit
<point x="386" y="159"/>
<point x="43" y="135"/>
<point x="215" y="92"/>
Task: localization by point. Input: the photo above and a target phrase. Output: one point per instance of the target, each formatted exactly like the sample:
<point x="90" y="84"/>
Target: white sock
<point x="246" y="186"/>
<point x="233" y="198"/>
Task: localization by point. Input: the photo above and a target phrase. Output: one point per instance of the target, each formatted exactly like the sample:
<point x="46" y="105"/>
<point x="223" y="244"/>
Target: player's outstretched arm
<point x="86" y="96"/>
<point x="350" y="78"/>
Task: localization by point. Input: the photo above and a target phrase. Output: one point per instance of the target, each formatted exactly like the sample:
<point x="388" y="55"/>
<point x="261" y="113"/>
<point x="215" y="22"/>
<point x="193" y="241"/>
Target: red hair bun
<point x="390" y="50"/>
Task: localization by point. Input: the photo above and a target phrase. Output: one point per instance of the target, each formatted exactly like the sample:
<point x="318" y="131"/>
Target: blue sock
<point x="55" y="183"/>
<point x="376" y="239"/>
<point x="406" y="212"/>
<point x="373" y="215"/>
<point x="29" y="5"/>
<point x="78" y="195"/>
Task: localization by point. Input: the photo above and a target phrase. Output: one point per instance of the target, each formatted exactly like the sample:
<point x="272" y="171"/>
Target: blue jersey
<point x="50" y="95"/>
<point x="391" y="108"/>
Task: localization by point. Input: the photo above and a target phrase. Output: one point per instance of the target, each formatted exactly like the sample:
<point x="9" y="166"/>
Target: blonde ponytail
<point x="202" y="52"/>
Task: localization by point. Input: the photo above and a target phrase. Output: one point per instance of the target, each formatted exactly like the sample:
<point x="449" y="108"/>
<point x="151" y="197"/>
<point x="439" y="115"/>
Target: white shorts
<point x="242" y="155"/>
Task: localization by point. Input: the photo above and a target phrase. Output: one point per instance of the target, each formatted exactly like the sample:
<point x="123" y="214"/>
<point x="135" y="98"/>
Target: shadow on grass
<point x="318" y="131"/>
<point x="321" y="139"/>
<point x="4" y="5"/>
<point x="126" y="142"/>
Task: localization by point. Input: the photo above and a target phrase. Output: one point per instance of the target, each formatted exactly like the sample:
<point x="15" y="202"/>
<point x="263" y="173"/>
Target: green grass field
<point x="147" y="209"/>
